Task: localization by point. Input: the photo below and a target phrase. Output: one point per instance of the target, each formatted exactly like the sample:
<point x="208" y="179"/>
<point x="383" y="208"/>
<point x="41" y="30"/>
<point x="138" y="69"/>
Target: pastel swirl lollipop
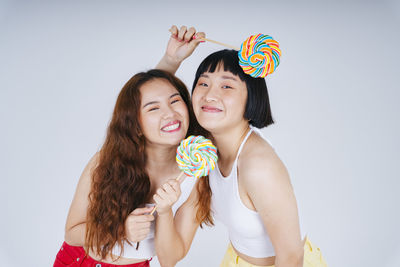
<point x="196" y="156"/>
<point x="259" y="55"/>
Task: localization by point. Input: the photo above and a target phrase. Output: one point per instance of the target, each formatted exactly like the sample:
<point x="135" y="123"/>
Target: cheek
<point x="195" y="99"/>
<point x="183" y="110"/>
<point x="236" y="104"/>
<point x="148" y="123"/>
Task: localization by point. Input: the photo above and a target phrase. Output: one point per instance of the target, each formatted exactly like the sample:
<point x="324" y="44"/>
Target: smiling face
<point x="219" y="100"/>
<point x="164" y="117"/>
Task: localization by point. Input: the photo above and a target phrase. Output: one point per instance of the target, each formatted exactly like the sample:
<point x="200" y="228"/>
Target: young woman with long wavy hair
<point x="134" y="170"/>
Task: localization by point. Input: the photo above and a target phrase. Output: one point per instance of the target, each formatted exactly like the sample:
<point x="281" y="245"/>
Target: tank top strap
<point x="242" y="144"/>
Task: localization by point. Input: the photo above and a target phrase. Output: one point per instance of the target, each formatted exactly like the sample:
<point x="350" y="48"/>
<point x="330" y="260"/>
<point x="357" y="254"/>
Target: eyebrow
<point x="229" y="78"/>
<point x="155" y="102"/>
<point x="223" y="77"/>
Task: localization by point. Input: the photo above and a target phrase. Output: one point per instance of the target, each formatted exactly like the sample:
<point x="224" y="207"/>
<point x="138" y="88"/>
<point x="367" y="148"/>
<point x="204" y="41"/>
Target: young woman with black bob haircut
<point x="135" y="169"/>
<point x="251" y="191"/>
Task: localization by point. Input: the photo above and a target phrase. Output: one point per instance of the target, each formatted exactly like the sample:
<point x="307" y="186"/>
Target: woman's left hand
<point x="167" y="195"/>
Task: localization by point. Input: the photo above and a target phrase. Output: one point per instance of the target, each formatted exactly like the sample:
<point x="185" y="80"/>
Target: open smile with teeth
<point x="171" y="127"/>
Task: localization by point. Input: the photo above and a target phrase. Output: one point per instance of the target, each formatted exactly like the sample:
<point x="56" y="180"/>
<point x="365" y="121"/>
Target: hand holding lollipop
<point x="196" y="157"/>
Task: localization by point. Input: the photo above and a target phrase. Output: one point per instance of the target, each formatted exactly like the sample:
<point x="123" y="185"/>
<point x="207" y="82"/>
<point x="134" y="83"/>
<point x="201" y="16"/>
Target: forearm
<point x="75" y="236"/>
<point x="168" y="64"/>
<point x="169" y="245"/>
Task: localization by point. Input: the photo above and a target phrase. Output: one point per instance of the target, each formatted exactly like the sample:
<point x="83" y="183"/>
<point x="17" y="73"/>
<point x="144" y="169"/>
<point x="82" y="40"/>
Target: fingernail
<point x="194" y="37"/>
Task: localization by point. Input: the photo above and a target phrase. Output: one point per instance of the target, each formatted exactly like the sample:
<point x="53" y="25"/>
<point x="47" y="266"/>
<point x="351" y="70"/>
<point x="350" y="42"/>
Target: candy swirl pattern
<point x="196" y="156"/>
<point x="259" y="55"/>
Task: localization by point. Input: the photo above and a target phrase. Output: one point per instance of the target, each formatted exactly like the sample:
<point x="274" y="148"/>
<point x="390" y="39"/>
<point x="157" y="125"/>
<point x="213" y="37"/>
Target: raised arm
<point x="268" y="185"/>
<point x="174" y="235"/>
<point x="181" y="45"/>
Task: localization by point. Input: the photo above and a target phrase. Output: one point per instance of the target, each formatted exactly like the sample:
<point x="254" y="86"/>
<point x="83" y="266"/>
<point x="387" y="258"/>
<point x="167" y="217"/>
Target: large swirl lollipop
<point x="259" y="55"/>
<point x="196" y="156"/>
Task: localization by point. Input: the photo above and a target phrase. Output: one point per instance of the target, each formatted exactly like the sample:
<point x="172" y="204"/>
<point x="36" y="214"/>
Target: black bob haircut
<point x="257" y="110"/>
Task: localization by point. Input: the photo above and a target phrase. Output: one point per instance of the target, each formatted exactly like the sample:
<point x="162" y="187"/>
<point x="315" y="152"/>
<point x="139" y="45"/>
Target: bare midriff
<point x="256" y="261"/>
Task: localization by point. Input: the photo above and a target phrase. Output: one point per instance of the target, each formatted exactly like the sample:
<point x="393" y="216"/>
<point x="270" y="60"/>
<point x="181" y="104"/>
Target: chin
<point x="175" y="140"/>
<point x="210" y="125"/>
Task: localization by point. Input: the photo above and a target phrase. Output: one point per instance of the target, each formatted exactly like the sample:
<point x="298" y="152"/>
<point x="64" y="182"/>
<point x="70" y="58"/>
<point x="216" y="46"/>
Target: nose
<point x="211" y="94"/>
<point x="168" y="112"/>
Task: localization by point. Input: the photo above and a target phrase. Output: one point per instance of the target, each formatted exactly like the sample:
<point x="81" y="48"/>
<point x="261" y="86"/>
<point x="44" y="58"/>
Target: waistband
<point x="76" y="256"/>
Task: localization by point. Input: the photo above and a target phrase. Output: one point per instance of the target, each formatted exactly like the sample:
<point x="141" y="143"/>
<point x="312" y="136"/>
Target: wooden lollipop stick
<point x="216" y="42"/>
<point x="155" y="207"/>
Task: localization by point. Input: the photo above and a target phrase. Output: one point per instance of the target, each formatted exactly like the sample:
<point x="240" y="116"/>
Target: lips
<point x="173" y="126"/>
<point x="210" y="109"/>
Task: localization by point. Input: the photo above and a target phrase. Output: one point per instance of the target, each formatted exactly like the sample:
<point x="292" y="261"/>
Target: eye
<point x="152" y="109"/>
<point x="227" y="87"/>
<point x="203" y="84"/>
<point x="174" y="101"/>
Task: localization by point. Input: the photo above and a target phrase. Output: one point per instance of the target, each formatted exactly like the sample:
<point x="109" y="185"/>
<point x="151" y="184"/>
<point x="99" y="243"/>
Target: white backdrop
<point x="334" y="99"/>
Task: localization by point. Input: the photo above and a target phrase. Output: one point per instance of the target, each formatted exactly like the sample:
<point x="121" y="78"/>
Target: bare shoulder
<point x="85" y="181"/>
<point x="259" y="164"/>
<point x="90" y="166"/>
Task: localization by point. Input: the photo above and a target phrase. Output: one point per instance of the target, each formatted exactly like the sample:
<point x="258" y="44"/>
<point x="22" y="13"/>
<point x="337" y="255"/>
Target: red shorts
<point x="76" y="256"/>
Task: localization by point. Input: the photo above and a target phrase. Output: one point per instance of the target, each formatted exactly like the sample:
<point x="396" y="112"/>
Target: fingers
<point x="138" y="232"/>
<point x="189" y="34"/>
<point x="174" y="30"/>
<point x="141" y="211"/>
<point x="184" y="34"/>
<point x="200" y="35"/>
<point x="132" y="218"/>
<point x="143" y="218"/>
<point x="169" y="189"/>
<point x="175" y="184"/>
<point x="157" y="199"/>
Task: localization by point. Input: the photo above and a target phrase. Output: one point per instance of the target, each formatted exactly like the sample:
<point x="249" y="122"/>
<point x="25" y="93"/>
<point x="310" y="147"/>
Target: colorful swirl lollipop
<point x="196" y="156"/>
<point x="259" y="55"/>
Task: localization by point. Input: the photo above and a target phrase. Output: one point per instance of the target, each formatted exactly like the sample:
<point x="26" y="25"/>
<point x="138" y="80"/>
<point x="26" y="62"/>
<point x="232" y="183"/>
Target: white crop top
<point x="246" y="229"/>
<point x="146" y="248"/>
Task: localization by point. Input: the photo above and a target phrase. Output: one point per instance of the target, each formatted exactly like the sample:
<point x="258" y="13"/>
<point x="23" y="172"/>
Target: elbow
<point x="297" y="258"/>
<point x="168" y="261"/>
<point x="167" y="264"/>
<point x="171" y="259"/>
<point x="69" y="239"/>
<point x="74" y="239"/>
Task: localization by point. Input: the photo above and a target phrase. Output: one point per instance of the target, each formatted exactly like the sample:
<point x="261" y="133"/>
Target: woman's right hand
<point x="137" y="225"/>
<point x="182" y="43"/>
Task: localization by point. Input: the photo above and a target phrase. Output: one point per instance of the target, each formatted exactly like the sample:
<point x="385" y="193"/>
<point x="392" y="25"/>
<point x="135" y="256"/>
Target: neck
<point x="229" y="140"/>
<point x="160" y="159"/>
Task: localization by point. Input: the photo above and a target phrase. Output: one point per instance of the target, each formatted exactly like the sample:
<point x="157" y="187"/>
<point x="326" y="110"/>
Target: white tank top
<point x="246" y="229"/>
<point x="146" y="248"/>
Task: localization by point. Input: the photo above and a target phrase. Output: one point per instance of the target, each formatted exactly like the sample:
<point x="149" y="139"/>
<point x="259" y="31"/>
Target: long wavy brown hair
<point x="120" y="182"/>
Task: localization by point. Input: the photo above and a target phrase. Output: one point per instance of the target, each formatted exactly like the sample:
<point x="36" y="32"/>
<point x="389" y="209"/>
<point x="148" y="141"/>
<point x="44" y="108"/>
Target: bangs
<point x="226" y="58"/>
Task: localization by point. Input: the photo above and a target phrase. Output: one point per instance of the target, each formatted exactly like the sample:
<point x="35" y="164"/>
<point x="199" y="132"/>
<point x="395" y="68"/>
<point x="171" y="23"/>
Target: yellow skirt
<point x="312" y="257"/>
